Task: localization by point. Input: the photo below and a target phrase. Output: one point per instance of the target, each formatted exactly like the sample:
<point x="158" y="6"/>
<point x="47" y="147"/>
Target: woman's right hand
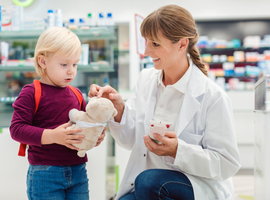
<point x="111" y="94"/>
<point x="63" y="136"/>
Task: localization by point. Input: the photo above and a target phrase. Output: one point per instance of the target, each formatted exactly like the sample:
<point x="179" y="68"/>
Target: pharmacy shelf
<point x="122" y="51"/>
<point x="233" y="48"/>
<point x="82" y="68"/>
<point x="8" y="99"/>
<point x="94" y="33"/>
<point x="95" y="68"/>
<point x="219" y="63"/>
<point x="239" y="77"/>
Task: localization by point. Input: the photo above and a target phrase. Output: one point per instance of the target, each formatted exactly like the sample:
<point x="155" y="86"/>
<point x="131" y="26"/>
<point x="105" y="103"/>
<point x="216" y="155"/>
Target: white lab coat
<point x="207" y="150"/>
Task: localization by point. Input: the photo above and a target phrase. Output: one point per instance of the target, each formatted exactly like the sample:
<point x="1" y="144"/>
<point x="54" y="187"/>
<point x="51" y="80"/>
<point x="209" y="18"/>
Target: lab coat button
<point x="132" y="184"/>
<point x="144" y="155"/>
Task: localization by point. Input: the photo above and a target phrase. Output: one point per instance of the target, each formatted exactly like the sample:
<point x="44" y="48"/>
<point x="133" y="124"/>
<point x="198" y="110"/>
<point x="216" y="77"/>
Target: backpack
<point x="37" y="87"/>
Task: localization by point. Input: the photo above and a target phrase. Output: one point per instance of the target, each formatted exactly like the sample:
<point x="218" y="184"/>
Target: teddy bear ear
<point x="115" y="112"/>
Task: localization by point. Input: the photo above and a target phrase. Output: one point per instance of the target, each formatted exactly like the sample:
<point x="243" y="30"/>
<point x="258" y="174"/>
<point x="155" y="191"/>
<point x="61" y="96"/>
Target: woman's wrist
<point x="120" y="109"/>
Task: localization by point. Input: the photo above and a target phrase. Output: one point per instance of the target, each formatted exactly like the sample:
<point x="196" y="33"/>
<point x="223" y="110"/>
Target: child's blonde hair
<point x="57" y="41"/>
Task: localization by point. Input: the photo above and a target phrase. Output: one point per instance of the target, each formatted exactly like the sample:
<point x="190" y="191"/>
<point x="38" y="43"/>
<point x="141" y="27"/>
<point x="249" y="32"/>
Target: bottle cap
<point x="109" y="15"/>
<point x="89" y="15"/>
<point x="50" y="11"/>
<point x="81" y="20"/>
<point x="101" y="15"/>
<point x="71" y="21"/>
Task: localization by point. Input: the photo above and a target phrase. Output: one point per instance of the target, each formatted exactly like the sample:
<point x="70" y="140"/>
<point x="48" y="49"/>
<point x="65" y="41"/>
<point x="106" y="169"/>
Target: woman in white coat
<point x="199" y="154"/>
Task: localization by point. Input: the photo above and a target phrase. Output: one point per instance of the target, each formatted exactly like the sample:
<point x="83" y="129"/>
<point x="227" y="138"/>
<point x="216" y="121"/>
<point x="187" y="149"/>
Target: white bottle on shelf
<point x="91" y="21"/>
<point x="51" y="19"/>
<point x="72" y="24"/>
<point x="110" y="22"/>
<point x="101" y="19"/>
<point x="106" y="81"/>
<point x="58" y="18"/>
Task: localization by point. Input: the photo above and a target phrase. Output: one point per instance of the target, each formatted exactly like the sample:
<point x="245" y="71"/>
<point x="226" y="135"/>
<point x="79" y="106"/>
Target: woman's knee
<point x="146" y="179"/>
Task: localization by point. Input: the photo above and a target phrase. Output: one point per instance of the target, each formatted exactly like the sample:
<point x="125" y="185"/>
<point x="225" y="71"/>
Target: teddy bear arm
<point x="76" y="115"/>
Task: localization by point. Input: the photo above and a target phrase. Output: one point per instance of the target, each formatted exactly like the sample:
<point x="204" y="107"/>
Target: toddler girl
<point x="55" y="171"/>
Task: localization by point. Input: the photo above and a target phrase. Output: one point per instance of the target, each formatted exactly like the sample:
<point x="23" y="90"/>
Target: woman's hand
<point x="101" y="137"/>
<point x="168" y="146"/>
<point x="111" y="94"/>
<point x="60" y="135"/>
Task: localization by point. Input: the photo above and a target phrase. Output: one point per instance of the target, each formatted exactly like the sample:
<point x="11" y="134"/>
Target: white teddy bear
<point x="92" y="122"/>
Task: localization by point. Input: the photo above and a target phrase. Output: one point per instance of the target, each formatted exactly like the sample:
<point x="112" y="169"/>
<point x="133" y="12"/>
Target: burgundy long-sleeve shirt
<point x="27" y="127"/>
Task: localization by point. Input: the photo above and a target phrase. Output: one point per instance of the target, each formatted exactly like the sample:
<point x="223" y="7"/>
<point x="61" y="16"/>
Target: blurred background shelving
<point x="17" y="69"/>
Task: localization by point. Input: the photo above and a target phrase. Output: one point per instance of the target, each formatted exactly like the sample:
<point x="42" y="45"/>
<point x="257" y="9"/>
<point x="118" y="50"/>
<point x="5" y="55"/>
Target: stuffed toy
<point x="92" y="122"/>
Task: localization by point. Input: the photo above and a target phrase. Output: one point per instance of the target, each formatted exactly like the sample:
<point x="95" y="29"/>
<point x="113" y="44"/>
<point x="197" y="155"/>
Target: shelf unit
<point x="202" y="49"/>
<point x="230" y="52"/>
<point x="219" y="63"/>
<point x="85" y="76"/>
<point x="94" y="33"/>
<point x="83" y="68"/>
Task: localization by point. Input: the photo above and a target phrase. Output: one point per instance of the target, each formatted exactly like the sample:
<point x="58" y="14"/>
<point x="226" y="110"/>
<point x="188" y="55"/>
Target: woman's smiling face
<point x="164" y="53"/>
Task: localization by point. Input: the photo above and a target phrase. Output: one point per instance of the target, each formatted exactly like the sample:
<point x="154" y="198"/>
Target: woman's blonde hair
<point x="175" y="23"/>
<point x="57" y="41"/>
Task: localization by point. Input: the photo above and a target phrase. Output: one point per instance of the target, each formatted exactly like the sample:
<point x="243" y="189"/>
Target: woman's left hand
<point x="101" y="137"/>
<point x="168" y="146"/>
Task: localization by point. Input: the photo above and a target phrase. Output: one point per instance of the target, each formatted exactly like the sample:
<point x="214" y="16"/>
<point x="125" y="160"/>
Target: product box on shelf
<point x="4" y="53"/>
<point x="5" y="19"/>
<point x="11" y="18"/>
<point x="84" y="59"/>
<point x="17" y="18"/>
<point x="20" y="63"/>
<point x="33" y="23"/>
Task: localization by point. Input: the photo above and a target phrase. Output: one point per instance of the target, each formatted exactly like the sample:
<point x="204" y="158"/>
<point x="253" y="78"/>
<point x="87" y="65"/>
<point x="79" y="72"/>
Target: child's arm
<point x="22" y="130"/>
<point x="62" y="136"/>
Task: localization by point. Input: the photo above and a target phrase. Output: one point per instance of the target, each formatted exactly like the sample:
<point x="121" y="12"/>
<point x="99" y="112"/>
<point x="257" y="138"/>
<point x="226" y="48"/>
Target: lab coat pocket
<point x="191" y="138"/>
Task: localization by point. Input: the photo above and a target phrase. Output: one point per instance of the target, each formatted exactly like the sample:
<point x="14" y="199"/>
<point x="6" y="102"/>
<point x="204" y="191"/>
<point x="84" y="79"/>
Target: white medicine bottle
<point x="58" y="18"/>
<point x="91" y="21"/>
<point x="110" y="21"/>
<point x="106" y="81"/>
<point x="51" y="19"/>
<point x="101" y="19"/>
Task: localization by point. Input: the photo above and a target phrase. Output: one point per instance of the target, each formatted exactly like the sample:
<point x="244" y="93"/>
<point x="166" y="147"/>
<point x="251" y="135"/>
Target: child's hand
<point x="61" y="135"/>
<point x="101" y="137"/>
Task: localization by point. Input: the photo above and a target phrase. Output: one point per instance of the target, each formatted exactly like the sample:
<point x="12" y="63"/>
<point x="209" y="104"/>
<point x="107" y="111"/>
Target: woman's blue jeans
<point x="157" y="184"/>
<point x="46" y="182"/>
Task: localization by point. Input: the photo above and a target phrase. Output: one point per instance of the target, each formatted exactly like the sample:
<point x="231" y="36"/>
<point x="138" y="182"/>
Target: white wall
<point x="124" y="10"/>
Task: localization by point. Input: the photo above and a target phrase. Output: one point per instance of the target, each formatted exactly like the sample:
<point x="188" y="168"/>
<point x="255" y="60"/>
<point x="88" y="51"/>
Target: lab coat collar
<point x="191" y="104"/>
<point x="197" y="83"/>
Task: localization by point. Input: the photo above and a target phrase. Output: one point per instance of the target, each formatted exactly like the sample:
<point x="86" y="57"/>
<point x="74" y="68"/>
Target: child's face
<point x="60" y="70"/>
